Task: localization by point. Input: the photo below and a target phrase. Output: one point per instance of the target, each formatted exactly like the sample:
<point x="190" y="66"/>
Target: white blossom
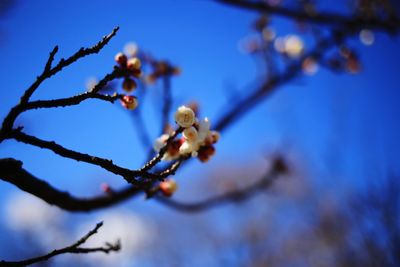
<point x="187" y="148"/>
<point x="293" y="46"/>
<point x="184" y="116"/>
<point x="190" y="134"/>
<point x="131" y="49"/>
<point x="160" y="142"/>
<point x="204" y="129"/>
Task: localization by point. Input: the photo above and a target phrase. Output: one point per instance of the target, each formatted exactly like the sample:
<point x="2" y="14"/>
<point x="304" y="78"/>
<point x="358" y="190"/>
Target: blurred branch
<point x="276" y="80"/>
<point x="325" y="18"/>
<point x="167" y="101"/>
<point x="279" y="167"/>
<point x="141" y="129"/>
<point x="74" y="248"/>
<point x="11" y="171"/>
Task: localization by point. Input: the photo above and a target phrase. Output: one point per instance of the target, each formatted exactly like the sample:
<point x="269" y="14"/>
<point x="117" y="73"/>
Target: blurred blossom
<point x="353" y="65"/>
<point x="367" y="37"/>
<point x="135" y="233"/>
<point x="309" y="66"/>
<point x="249" y="44"/>
<point x="131" y="49"/>
<point x="268" y="34"/>
<point x="279" y="45"/>
<point x="293" y="46"/>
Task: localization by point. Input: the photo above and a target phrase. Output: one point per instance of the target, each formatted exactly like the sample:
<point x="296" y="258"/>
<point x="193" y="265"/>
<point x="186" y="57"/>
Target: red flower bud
<point x="205" y="153"/>
<point x="121" y="59"/>
<point x="129" y="85"/>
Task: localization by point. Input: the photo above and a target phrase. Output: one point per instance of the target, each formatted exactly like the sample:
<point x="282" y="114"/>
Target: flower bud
<point x="176" y="71"/>
<point x="173" y="148"/>
<point x="184" y="117"/>
<point x="186" y="148"/>
<point x="129" y="85"/>
<point x="133" y="64"/>
<point x="215" y="136"/>
<point x="168" y="187"/>
<point x="190" y="134"/>
<point x="106" y="188"/>
<point x="129" y="102"/>
<point x="121" y="59"/>
<point x="205" y="153"/>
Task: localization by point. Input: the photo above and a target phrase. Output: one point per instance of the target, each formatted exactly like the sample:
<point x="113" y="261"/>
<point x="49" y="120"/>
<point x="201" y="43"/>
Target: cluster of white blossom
<point x="290" y="45"/>
<point x="197" y="138"/>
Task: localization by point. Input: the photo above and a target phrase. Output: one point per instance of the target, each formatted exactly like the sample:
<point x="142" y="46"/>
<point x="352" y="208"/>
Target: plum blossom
<point x="185" y="116"/>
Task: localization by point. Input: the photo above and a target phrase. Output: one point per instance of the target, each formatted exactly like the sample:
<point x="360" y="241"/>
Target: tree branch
<point x="74" y="248"/>
<point x="49" y="72"/>
<point x="70" y="101"/>
<point x="11" y="171"/>
<point x="127" y="174"/>
<point x="324" y="18"/>
<point x="279" y="167"/>
<point x="277" y="80"/>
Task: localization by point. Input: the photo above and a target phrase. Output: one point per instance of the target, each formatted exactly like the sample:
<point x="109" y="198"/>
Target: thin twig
<point x="49" y="72"/>
<point x="151" y="163"/>
<point x="70" y="101"/>
<point x="127" y="174"/>
<point x="74" y="248"/>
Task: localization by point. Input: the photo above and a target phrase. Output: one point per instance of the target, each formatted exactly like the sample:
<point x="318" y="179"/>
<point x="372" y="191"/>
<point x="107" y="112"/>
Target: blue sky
<point x="341" y="126"/>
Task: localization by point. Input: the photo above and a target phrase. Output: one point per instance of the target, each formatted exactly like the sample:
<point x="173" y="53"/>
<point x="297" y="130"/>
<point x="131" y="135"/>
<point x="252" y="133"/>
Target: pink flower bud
<point x="168" y="187"/>
<point x="129" y="102"/>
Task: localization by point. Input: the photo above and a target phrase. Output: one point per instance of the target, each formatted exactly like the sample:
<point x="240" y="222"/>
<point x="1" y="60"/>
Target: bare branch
<point x="279" y="167"/>
<point x="277" y="80"/>
<point x="74" y="248"/>
<point x="127" y="174"/>
<point x="48" y="72"/>
<point x="81" y="53"/>
<point x="11" y="171"/>
<point x="51" y="59"/>
<point x="151" y="163"/>
<point x="70" y="101"/>
<point x="324" y="18"/>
